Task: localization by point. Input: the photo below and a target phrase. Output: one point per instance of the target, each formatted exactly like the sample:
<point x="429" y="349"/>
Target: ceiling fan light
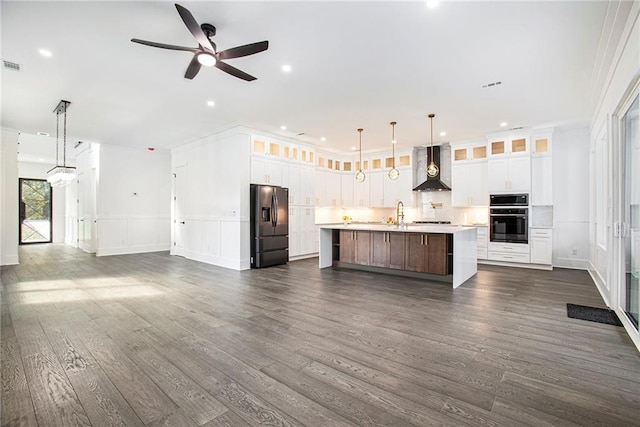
<point x="206" y="59"/>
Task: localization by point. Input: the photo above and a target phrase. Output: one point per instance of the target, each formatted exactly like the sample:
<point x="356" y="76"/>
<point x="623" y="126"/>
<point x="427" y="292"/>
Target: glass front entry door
<point x="35" y="211"/>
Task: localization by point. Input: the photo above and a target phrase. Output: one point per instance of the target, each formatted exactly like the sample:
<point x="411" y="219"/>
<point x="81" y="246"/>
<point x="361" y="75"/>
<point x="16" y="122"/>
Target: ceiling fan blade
<point x="247" y="49"/>
<point x="234" y="71"/>
<point x="194" y="28"/>
<point x="193" y="68"/>
<point x="165" y="46"/>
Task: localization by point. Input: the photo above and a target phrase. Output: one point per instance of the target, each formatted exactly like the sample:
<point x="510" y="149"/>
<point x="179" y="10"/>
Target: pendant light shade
<point x="360" y="176"/>
<point x="432" y="169"/>
<point x="393" y="173"/>
<point x="61" y="175"/>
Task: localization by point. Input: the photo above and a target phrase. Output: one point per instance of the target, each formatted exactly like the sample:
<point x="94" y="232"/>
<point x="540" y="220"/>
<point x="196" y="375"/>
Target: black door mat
<point x="593" y="314"/>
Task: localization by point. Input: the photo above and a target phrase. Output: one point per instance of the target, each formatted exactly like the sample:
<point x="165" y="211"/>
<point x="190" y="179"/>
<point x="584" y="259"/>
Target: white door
<point x="179" y="209"/>
<point x="86" y="196"/>
<point x="629" y="228"/>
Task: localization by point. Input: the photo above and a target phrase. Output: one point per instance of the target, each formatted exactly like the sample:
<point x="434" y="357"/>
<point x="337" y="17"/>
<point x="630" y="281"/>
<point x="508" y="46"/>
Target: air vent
<point x="518" y="128"/>
<point x="8" y="65"/>
<point x="492" y="84"/>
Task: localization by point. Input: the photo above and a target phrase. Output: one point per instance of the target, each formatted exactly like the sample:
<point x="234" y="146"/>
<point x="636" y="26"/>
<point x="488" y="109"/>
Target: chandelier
<point x="61" y="175"/>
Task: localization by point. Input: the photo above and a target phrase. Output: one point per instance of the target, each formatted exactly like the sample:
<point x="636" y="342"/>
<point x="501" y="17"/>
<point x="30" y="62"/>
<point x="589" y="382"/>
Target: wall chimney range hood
<point x="434" y="183"/>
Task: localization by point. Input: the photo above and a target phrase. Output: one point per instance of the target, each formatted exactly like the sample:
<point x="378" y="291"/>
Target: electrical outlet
<point x="574" y="251"/>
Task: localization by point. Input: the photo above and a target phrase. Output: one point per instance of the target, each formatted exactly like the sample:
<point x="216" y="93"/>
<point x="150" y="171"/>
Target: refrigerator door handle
<point x="274" y="209"/>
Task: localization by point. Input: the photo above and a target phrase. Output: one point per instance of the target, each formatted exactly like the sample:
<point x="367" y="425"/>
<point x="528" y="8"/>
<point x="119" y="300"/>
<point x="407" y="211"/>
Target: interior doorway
<point x="35" y="211"/>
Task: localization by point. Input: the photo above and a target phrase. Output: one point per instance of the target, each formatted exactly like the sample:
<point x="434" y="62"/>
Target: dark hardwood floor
<point x="157" y="340"/>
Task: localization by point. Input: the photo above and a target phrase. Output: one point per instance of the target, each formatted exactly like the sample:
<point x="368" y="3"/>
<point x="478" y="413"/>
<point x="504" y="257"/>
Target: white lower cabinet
<point x="302" y="231"/>
<point x="541" y="245"/>
<point x="483" y="242"/>
<point x="509" y="252"/>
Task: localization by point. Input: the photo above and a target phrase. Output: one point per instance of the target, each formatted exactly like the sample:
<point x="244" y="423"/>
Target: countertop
<point x="409" y="228"/>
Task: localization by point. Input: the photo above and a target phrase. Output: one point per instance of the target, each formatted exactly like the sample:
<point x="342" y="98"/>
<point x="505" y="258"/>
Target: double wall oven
<point x="509" y="218"/>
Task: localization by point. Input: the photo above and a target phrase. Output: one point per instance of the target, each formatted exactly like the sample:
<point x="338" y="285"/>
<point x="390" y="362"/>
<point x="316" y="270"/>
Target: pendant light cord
<point x="393" y="144"/>
<point x="57" y="134"/>
<point x="431" y="120"/>
<point x="64" y="140"/>
<point x="360" y="143"/>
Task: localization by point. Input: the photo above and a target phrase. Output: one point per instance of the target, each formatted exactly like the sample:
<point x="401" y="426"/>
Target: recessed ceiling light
<point x="286" y="68"/>
<point x="323" y="139"/>
<point x="211" y="103"/>
<point x="503" y="124"/>
<point x="353" y="148"/>
<point x="432" y="3"/>
<point x="43" y="133"/>
<point x="45" y="52"/>
<point x="443" y="134"/>
<point x="283" y="127"/>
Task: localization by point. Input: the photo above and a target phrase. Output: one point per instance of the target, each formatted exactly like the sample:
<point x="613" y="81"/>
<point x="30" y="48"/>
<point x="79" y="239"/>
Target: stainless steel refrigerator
<point x="269" y="225"/>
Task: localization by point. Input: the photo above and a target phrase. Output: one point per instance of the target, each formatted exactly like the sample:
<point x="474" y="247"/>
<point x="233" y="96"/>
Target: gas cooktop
<point x="432" y="222"/>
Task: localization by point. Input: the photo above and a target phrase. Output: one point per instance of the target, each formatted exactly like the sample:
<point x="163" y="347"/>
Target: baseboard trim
<point x="515" y="264"/>
<point x="10" y="260"/>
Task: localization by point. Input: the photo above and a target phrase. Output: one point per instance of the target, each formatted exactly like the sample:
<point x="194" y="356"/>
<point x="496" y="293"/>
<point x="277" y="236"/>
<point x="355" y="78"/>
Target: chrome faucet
<point x="400" y="213"/>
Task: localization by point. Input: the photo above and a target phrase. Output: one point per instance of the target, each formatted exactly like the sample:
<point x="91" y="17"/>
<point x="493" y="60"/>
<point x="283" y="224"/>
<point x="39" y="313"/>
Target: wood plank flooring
<point x="156" y="340"/>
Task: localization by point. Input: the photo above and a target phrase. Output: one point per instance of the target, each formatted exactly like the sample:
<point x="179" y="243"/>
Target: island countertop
<point x="407" y="228"/>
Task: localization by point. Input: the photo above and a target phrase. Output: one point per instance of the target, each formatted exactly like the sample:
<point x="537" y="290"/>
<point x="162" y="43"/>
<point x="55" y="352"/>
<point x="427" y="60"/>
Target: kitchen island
<point x="436" y="252"/>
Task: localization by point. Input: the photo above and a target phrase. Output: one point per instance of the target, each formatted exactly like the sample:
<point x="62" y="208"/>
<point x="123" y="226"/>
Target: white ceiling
<point x="355" y="64"/>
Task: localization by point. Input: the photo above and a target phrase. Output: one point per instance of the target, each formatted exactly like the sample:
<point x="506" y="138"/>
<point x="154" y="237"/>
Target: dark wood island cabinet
<point x="441" y="252"/>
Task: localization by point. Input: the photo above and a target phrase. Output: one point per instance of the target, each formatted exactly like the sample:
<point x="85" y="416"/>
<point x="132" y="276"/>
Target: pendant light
<point x="360" y="176"/>
<point x="61" y="175"/>
<point x="432" y="169"/>
<point x="393" y="173"/>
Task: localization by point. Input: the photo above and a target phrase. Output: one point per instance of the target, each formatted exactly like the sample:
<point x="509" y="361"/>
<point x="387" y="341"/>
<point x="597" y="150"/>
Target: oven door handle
<point x="510" y="215"/>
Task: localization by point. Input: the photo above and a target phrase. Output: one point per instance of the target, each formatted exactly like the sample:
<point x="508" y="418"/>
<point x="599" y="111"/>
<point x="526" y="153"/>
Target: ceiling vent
<point x="8" y="65"/>
<point x="492" y="84"/>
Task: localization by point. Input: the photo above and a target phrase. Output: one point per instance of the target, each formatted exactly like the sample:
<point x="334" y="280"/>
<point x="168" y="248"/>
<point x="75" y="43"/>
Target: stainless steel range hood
<point x="434" y="183"/>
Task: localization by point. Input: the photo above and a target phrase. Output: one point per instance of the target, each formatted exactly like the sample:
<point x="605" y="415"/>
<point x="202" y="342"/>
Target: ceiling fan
<point x="206" y="54"/>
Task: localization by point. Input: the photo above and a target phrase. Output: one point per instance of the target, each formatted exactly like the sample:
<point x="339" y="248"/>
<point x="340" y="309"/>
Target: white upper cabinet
<point x="510" y="146"/>
<point x="541" y="170"/>
<point x="347" y="182"/>
<point x="509" y="165"/>
<point x="263" y="147"/>
<point x="307" y="186"/>
<point x="376" y="188"/>
<point x="265" y="171"/>
<point x="361" y="193"/>
<point x="321" y="187"/>
<point x="469" y="175"/>
<point x="334" y="189"/>
<point x="469" y="184"/>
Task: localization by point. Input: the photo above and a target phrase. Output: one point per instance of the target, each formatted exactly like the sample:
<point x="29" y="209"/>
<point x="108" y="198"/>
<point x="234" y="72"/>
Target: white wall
<point x="8" y="197"/>
<point x="571" y="197"/>
<point x="133" y="200"/>
<point x="216" y="206"/>
<point x="39" y="171"/>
